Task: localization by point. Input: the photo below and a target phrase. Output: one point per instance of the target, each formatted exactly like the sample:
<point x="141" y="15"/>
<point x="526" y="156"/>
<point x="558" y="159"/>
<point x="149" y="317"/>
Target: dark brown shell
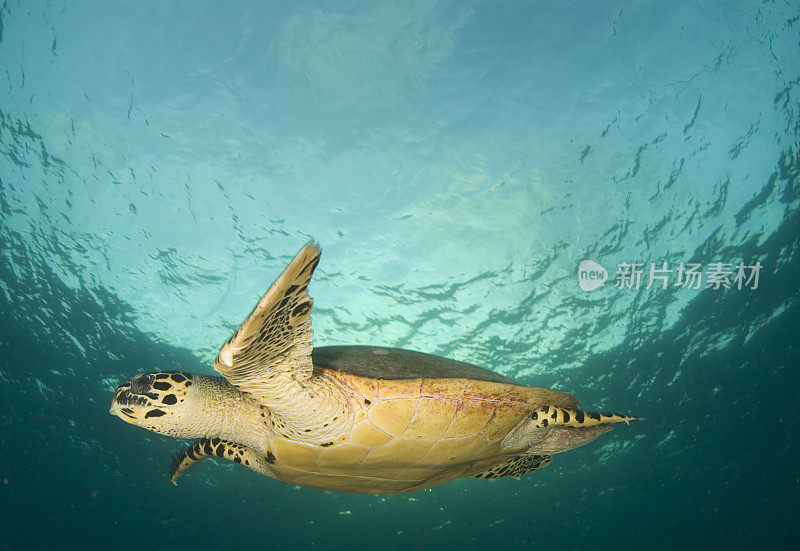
<point x="397" y="364"/>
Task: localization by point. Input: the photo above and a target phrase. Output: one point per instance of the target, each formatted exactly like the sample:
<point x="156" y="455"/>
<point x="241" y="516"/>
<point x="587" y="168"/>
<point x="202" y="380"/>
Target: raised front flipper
<point x="274" y="343"/>
<point x="214" y="447"/>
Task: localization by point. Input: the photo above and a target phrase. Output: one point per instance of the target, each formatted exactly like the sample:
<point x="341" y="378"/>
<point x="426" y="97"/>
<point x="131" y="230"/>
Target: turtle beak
<point x="115" y="402"/>
<point x="124" y="401"/>
<point x="117" y="407"/>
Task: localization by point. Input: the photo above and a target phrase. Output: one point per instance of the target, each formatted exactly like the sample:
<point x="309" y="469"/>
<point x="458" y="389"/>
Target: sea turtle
<point x="351" y="418"/>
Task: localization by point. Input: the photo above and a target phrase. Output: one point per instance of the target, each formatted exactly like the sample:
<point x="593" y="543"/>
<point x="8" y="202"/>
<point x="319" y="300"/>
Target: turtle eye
<point x="142" y="383"/>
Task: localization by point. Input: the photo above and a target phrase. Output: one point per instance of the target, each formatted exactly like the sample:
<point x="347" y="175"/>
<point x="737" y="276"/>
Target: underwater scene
<point x="601" y="198"/>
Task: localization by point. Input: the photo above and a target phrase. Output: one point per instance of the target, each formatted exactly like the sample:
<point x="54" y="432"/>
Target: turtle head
<point x="155" y="401"/>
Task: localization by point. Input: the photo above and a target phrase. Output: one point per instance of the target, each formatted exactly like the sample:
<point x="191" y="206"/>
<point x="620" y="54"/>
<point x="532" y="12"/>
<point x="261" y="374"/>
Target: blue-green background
<point x="160" y="162"/>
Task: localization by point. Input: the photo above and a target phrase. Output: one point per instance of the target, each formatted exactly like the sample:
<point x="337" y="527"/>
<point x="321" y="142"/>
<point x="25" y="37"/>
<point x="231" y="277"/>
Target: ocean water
<point x="160" y="163"/>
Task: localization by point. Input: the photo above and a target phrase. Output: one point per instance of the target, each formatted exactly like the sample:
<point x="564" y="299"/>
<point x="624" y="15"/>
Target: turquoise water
<point x="161" y="162"/>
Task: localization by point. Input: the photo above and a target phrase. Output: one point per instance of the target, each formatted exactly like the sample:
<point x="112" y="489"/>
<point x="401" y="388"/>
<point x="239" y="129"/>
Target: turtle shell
<point x="419" y="420"/>
<point x="381" y="363"/>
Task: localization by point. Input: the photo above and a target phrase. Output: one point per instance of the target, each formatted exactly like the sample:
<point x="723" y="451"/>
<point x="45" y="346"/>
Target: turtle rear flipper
<point x="215" y="447"/>
<point x="516" y="466"/>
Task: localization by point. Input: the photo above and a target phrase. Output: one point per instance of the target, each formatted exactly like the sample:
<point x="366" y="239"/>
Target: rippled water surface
<point x="160" y="163"/>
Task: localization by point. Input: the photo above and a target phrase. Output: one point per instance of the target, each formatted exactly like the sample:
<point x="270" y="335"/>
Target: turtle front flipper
<point x="215" y="447"/>
<point x="273" y="344"/>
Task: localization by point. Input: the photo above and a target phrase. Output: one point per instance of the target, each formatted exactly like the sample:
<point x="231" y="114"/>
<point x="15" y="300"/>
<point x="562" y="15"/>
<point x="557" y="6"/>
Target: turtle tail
<point x="549" y="416"/>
